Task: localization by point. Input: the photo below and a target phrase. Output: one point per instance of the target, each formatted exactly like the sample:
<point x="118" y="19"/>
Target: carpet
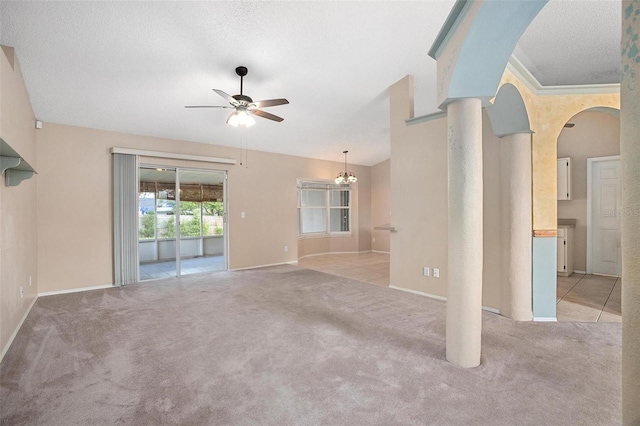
<point x="290" y="346"/>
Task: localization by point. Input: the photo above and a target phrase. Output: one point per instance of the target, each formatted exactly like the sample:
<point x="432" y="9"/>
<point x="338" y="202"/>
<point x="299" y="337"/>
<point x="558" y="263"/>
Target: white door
<point x="605" y="208"/>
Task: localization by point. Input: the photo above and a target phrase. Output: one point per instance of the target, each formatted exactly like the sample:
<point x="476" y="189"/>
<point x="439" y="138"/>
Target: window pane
<point x="314" y="220"/>
<point x="312" y="198"/>
<point x="339" y="198"/>
<point x="146" y="215"/>
<point x="189" y="223"/>
<point x="212" y="218"/>
<point x="339" y="220"/>
<point x="166" y="211"/>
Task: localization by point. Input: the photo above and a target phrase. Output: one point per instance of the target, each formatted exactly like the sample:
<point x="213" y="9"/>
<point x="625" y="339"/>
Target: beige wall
<point x="381" y="205"/>
<point x="596" y="134"/>
<point x="419" y="199"/>
<point x="419" y="210"/>
<point x="493" y="242"/>
<point x="75" y="240"/>
<point x="18" y="254"/>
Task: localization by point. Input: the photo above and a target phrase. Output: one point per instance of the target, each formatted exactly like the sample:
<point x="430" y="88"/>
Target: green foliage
<point x="189" y="207"/>
<point x="213" y="208"/>
<point x="170" y="229"/>
<point x="205" y="228"/>
<point x="147" y="226"/>
<point x="190" y="227"/>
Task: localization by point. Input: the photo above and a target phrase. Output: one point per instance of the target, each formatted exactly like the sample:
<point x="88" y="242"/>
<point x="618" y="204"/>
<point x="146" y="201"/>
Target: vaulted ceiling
<point x="132" y="66"/>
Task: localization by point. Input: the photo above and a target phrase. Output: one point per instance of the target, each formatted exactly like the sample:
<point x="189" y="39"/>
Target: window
<point x="201" y="210"/>
<point x="323" y="208"/>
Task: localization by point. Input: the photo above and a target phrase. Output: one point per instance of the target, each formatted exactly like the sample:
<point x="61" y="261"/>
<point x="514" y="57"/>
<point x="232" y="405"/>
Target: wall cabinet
<point x="565" y="251"/>
<point x="564" y="178"/>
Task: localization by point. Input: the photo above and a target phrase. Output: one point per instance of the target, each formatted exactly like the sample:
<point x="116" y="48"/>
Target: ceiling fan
<point x="244" y="105"/>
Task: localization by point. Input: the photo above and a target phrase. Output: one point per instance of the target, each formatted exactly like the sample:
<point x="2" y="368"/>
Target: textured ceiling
<point x="132" y="66"/>
<point x="573" y="42"/>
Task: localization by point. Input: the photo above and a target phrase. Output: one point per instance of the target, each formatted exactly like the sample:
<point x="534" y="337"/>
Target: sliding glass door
<point x="181" y="222"/>
<point x="202" y="226"/>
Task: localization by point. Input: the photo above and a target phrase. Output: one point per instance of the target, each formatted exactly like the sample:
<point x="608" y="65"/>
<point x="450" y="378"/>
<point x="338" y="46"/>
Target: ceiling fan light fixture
<point x="244" y="106"/>
<point x="241" y="118"/>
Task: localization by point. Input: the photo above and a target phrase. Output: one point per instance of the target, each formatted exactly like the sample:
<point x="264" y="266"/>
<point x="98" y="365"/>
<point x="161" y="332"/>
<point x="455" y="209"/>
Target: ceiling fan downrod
<point x="241" y="71"/>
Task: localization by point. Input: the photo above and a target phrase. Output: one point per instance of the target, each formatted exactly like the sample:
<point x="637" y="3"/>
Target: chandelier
<point x="346" y="177"/>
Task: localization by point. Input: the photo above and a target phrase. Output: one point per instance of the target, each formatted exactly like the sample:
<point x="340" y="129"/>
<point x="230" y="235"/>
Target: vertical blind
<point x="125" y="218"/>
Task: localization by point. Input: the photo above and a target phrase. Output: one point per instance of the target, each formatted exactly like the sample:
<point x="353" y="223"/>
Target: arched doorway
<point x="589" y="141"/>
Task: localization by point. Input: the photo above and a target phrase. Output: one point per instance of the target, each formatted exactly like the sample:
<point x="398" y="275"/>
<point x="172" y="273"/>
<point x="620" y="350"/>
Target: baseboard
<point x="579" y="272"/>
<point x="545" y="319"/>
<point x="15" y="332"/>
<point x="380" y="251"/>
<point x="435" y="296"/>
<point x="334" y="252"/>
<point x="75" y="290"/>
<point x="293" y="262"/>
<point x="419" y="293"/>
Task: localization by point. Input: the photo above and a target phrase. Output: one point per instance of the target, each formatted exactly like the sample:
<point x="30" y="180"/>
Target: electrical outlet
<point x="436" y="273"/>
<point x="373" y="240"/>
<point x="21" y="292"/>
<point x="286" y="248"/>
<point x="29" y="280"/>
<point x="425" y="271"/>
<point x="242" y="215"/>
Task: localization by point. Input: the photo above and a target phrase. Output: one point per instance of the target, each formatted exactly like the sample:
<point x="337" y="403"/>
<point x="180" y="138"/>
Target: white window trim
<point x="328" y="209"/>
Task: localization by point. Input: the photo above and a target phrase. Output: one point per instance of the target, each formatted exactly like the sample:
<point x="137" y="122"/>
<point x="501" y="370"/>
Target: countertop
<point x="566" y="223"/>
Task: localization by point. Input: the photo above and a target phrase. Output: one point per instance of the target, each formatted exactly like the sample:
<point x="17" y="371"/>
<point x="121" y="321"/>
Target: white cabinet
<point x="565" y="251"/>
<point x="564" y="178"/>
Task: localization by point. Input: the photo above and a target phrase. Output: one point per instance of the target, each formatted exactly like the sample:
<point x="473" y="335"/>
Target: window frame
<point x="329" y="188"/>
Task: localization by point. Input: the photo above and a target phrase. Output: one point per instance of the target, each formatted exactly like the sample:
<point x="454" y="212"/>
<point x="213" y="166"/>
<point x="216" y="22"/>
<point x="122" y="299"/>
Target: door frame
<point x="225" y="236"/>
<point x="590" y="162"/>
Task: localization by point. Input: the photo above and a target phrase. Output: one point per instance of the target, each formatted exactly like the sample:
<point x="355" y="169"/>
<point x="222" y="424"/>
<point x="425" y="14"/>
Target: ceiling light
<point x="347" y="177"/>
<point x="241" y="118"/>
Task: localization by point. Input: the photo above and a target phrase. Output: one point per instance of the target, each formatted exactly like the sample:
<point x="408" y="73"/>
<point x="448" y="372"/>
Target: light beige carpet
<point x="285" y="346"/>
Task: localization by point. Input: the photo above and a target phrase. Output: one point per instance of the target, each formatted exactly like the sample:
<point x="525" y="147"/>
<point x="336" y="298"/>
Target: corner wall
<point x="419" y="201"/>
<point x="380" y="205"/>
<point x="18" y="252"/>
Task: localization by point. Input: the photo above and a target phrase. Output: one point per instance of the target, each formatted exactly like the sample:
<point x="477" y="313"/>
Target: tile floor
<point x="589" y="298"/>
<point x="167" y="269"/>
<point x="369" y="267"/>
<point x="580" y="298"/>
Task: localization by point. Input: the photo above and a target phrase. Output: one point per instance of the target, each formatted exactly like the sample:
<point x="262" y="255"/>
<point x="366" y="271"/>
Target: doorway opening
<point x="586" y="293"/>
<point x="181" y="221"/>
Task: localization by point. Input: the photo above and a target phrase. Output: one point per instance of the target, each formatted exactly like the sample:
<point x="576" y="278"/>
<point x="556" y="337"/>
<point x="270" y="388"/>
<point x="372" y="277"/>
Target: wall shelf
<point x="14" y="167"/>
<point x="385" y="227"/>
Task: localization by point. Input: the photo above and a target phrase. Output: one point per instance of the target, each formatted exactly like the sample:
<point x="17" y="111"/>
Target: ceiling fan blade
<point x="266" y="115"/>
<point x="207" y="106"/>
<point x="271" y="102"/>
<point x="225" y="95"/>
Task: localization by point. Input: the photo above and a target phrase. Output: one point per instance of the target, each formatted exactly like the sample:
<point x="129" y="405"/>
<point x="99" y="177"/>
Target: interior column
<point x="630" y="167"/>
<point x="464" y="299"/>
<point x="515" y="153"/>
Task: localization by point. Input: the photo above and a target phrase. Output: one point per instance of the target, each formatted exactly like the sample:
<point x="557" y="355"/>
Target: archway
<point x="590" y="137"/>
